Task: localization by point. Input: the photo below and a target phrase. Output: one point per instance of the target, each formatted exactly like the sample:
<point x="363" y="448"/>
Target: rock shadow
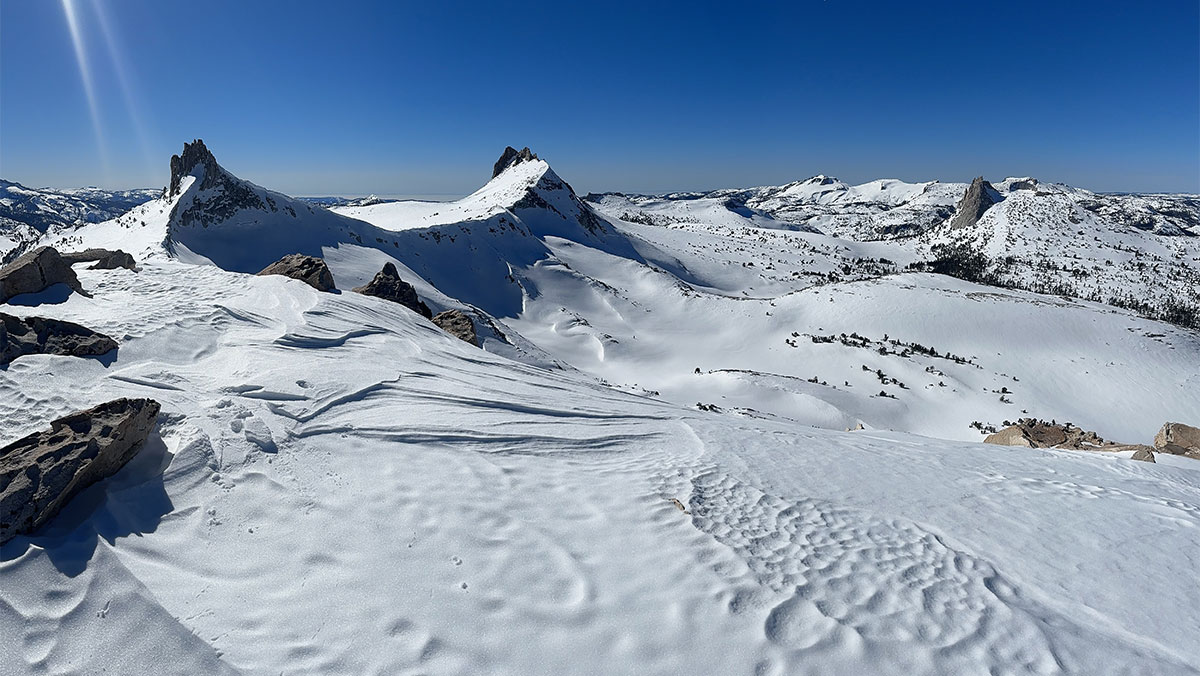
<point x="131" y="502"/>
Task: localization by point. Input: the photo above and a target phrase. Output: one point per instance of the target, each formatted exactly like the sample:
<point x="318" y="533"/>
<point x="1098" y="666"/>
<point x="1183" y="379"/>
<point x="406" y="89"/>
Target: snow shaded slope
<point x="347" y="489"/>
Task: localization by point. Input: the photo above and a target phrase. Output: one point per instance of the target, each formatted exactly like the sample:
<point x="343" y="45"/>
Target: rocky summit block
<point x="103" y="259"/>
<point x="978" y="198"/>
<point x="308" y="269"/>
<point x="388" y="285"/>
<point x="42" y="472"/>
<point x="20" y="336"/>
<point x="457" y="324"/>
<point x="35" y="271"/>
<point x="512" y="156"/>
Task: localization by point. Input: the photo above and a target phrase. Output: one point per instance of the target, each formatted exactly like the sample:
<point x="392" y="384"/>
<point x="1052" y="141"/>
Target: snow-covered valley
<point x="648" y="467"/>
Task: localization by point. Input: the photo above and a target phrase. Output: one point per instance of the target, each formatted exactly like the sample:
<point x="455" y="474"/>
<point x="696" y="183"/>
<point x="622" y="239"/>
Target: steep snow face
<point x="339" y="487"/>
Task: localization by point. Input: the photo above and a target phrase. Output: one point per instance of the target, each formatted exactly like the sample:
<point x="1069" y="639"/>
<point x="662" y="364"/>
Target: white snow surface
<point x="337" y="486"/>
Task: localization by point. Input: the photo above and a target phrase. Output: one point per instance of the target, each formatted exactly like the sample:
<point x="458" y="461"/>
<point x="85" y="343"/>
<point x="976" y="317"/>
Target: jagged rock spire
<point x="978" y="198"/>
<point x="194" y="153"/>
<point x="512" y="156"/>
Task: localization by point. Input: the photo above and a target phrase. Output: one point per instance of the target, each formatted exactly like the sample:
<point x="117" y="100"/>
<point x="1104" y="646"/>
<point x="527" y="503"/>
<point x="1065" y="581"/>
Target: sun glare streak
<point x="121" y="68"/>
<point x="89" y="87"/>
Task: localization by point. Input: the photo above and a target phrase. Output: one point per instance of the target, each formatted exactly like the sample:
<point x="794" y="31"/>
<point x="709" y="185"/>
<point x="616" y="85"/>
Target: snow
<point x="349" y="490"/>
<point x="338" y="486"/>
<point x="490" y="200"/>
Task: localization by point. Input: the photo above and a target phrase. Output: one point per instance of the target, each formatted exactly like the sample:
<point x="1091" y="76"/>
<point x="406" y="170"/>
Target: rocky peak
<point x="978" y="198"/>
<point x="512" y="156"/>
<point x="194" y="153"/>
<point x="220" y="194"/>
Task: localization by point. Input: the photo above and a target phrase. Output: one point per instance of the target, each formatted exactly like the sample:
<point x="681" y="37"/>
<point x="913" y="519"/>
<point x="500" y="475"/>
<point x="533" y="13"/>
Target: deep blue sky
<point x="392" y="97"/>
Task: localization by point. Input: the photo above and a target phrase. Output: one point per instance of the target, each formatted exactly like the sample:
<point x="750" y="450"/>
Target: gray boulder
<point x="978" y="198"/>
<point x="1143" y="453"/>
<point x="457" y="324"/>
<point x="42" y="472"/>
<point x="388" y="285"/>
<point x="308" y="269"/>
<point x="37" y="335"/>
<point x="36" y="271"/>
<point x="512" y="156"/>
<point x="1178" y="439"/>
<point x="103" y="259"/>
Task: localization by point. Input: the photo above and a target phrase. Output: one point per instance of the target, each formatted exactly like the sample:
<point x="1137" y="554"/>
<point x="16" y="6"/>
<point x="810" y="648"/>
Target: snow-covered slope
<point x="643" y="292"/>
<point x="338" y="487"/>
<point x="208" y="215"/>
<point x="1137" y="252"/>
<point x="882" y="209"/>
<point x="26" y="213"/>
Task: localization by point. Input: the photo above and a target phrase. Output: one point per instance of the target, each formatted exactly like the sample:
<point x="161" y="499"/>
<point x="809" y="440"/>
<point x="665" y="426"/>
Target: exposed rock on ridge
<point x="1178" y="439"/>
<point x="40" y="473"/>
<point x="512" y="156"/>
<point x="978" y="198"/>
<point x="219" y="194"/>
<point x="388" y="285"/>
<point x="1173" y="439"/>
<point x="457" y="324"/>
<point x="308" y="269"/>
<point x="194" y="154"/>
<point x="103" y="259"/>
<point x="36" y="271"/>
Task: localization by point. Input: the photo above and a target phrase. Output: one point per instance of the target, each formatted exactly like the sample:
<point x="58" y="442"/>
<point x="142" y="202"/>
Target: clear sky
<point x="420" y="98"/>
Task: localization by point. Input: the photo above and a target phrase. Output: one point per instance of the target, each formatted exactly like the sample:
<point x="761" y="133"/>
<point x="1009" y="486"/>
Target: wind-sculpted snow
<point x="340" y="487"/>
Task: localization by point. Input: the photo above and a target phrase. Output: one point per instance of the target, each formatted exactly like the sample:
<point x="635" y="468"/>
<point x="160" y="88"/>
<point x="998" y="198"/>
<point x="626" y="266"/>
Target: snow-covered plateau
<point x="736" y="432"/>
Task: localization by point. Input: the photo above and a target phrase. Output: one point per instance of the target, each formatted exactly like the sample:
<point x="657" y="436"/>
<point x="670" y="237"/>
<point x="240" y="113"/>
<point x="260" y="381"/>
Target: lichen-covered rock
<point x="42" y="472"/>
<point x="308" y="269"/>
<point x="388" y="285"/>
<point x="978" y="198"/>
<point x="36" y="271"/>
<point x="1178" y="439"/>
<point x="37" y="335"/>
<point x="457" y="324"/>
<point x="103" y="259"/>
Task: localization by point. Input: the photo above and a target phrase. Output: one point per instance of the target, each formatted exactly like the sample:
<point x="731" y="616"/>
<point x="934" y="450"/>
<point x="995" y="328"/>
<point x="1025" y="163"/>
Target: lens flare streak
<point x="85" y="72"/>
